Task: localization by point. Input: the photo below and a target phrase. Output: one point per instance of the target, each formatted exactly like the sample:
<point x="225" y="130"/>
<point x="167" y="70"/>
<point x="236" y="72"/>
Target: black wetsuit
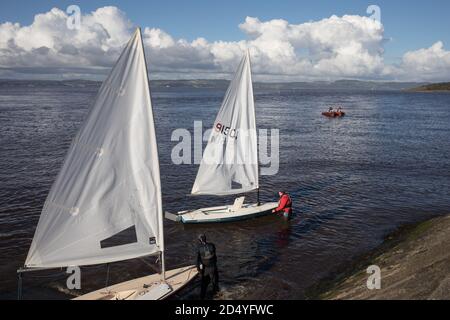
<point x="207" y="258"/>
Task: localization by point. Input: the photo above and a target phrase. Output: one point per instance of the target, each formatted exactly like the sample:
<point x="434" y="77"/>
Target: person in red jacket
<point x="284" y="204"/>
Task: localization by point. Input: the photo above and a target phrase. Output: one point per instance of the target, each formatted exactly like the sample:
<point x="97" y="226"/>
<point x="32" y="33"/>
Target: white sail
<point x="230" y="160"/>
<point x="110" y="179"/>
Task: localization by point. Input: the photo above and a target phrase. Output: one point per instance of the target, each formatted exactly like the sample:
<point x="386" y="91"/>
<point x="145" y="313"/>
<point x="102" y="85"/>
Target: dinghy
<point x="333" y="114"/>
<point x="230" y="162"/>
<point x="110" y="183"/>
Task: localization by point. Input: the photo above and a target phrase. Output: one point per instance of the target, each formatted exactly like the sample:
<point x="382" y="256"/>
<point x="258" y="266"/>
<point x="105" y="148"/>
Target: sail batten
<point x="230" y="161"/>
<point x="110" y="179"/>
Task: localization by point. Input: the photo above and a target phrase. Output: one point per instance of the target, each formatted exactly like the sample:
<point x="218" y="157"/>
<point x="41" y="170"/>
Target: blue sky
<point x="409" y="26"/>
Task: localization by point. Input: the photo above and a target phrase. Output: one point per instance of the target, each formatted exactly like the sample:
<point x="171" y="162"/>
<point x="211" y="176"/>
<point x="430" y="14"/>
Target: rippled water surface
<point x="352" y="181"/>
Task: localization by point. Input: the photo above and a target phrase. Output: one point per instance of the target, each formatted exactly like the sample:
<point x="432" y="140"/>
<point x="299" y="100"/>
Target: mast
<point x="161" y="223"/>
<point x="256" y="133"/>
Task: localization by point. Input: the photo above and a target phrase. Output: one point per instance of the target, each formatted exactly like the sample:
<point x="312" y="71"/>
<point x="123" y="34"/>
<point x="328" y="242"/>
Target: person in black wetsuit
<point x="207" y="265"/>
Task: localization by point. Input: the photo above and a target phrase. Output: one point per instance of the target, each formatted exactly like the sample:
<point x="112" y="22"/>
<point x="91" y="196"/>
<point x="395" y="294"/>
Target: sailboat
<point x="110" y="183"/>
<point x="230" y="162"/>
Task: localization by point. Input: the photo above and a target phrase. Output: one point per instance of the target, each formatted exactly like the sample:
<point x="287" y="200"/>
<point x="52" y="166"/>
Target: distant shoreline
<point x="352" y="85"/>
<point x="434" y="87"/>
<point x="428" y="91"/>
<point x="344" y="84"/>
<point x="414" y="262"/>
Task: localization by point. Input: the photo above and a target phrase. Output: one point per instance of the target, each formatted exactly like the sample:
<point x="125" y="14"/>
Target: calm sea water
<point x="352" y="180"/>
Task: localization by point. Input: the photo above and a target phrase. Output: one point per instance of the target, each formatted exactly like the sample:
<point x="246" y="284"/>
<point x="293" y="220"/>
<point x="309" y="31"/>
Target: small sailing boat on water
<point x="110" y="183"/>
<point x="230" y="162"/>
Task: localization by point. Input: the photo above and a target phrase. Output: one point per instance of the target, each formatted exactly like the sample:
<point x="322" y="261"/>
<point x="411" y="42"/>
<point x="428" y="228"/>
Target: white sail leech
<point x="231" y="155"/>
<point x="110" y="179"/>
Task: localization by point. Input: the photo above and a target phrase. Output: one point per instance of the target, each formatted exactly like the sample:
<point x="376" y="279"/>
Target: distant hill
<point x="352" y="85"/>
<point x="443" y="86"/>
<point x="315" y="85"/>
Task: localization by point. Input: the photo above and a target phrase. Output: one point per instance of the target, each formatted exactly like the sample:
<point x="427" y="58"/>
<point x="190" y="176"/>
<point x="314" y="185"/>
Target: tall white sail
<point x="230" y="161"/>
<point x="110" y="179"/>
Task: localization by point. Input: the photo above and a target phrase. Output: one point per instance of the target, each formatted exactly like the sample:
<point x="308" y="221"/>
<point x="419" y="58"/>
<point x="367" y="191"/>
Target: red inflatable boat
<point x="334" y="114"/>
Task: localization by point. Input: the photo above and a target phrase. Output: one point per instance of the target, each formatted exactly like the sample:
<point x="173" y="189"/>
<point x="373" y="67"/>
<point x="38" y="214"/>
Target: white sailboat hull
<point x="223" y="213"/>
<point x="146" y="288"/>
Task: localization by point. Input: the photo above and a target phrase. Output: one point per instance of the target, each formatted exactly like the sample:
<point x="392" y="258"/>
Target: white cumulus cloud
<point x="350" y="46"/>
<point x="430" y="64"/>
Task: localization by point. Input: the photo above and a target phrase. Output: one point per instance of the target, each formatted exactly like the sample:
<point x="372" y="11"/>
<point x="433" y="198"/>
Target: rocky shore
<point x="414" y="263"/>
